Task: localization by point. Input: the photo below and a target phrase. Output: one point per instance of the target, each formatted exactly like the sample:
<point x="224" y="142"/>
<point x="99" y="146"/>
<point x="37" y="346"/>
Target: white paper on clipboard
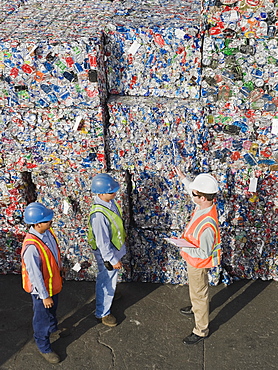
<point x="178" y="242"/>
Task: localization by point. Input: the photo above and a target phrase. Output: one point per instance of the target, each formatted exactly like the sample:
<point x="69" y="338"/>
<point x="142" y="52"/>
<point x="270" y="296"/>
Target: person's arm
<point x="186" y="181"/>
<point x="101" y="230"/>
<point x="33" y="265"/>
<point x="206" y="244"/>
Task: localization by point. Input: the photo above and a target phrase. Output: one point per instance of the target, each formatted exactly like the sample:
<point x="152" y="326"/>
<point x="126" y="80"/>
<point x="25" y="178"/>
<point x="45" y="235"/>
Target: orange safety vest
<point x="192" y="234"/>
<point x="50" y="268"/>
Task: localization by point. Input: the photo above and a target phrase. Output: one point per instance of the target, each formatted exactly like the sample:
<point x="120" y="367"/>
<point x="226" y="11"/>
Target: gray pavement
<point x="244" y="330"/>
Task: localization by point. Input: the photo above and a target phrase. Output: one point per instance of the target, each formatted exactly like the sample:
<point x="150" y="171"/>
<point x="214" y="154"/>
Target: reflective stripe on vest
<point x="215" y="255"/>
<point x="46" y="262"/>
<point x="193" y="234"/>
<point x="116" y="222"/>
<point x="50" y="286"/>
<point x="206" y="220"/>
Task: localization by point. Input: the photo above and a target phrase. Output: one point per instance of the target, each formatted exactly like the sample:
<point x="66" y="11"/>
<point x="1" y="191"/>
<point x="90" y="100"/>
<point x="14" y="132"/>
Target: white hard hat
<point x="204" y="183"/>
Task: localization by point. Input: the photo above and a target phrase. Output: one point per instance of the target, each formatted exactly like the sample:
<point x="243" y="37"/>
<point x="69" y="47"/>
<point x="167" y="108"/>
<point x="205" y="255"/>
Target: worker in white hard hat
<point x="202" y="232"/>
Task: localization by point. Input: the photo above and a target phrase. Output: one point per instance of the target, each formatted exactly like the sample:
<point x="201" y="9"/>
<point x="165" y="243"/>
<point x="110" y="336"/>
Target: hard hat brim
<point x="48" y="217"/>
<point x="114" y="190"/>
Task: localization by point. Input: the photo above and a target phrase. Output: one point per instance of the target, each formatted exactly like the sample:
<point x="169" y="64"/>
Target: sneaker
<point x="51" y="357"/>
<point x="108" y="320"/>
<point x="193" y="339"/>
<point x="186" y="310"/>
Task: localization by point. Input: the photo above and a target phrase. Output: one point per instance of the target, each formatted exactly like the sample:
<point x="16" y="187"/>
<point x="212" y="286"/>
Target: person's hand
<point x="179" y="173"/>
<point x="48" y="302"/>
<point x="118" y="266"/>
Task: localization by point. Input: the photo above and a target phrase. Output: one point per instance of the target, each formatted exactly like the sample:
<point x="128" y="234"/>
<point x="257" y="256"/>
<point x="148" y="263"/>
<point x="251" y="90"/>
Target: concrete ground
<point x="244" y="330"/>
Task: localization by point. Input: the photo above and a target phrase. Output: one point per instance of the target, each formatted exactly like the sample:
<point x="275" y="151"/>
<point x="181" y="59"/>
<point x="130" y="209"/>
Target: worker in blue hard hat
<point x="41" y="275"/>
<point x="106" y="235"/>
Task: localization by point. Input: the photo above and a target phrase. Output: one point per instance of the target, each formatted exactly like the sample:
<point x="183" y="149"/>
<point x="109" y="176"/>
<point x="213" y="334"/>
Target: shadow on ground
<point x="75" y="311"/>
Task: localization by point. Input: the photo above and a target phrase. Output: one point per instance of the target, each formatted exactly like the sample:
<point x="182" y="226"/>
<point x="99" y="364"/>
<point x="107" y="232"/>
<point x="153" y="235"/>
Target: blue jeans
<point x="44" y="322"/>
<point x="105" y="288"/>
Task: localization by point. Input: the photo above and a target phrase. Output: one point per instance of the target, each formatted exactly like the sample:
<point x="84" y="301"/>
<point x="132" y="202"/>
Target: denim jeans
<point x="44" y="322"/>
<point x="105" y="287"/>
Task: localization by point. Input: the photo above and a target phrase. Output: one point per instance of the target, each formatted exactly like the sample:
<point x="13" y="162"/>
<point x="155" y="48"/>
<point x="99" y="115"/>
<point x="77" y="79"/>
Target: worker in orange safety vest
<point x="41" y="275"/>
<point x="202" y="232"/>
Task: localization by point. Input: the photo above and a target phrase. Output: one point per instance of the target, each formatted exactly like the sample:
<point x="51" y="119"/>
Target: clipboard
<point x="180" y="242"/>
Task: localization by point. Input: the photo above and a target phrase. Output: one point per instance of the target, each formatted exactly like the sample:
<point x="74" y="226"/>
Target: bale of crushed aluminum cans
<point x="7" y="7"/>
<point x="240" y="55"/>
<point x="154" y="260"/>
<point x="52" y="55"/>
<point x="52" y="155"/>
<point x="240" y="73"/>
<point x="240" y="147"/>
<point x="149" y="137"/>
<point x="245" y="150"/>
<point x="153" y="52"/>
<point x="51" y="74"/>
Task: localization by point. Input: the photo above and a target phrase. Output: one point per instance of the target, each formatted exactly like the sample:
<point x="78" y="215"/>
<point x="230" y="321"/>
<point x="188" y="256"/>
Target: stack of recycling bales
<point x="236" y="134"/>
<point x="52" y="96"/>
<point x="153" y="49"/>
<point x="187" y="83"/>
<point x="239" y="93"/>
<point x="153" y="52"/>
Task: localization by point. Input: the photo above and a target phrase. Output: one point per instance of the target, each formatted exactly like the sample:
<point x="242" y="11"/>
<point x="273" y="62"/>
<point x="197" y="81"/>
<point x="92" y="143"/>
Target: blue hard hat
<point x="36" y="212"/>
<point x="104" y="184"/>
